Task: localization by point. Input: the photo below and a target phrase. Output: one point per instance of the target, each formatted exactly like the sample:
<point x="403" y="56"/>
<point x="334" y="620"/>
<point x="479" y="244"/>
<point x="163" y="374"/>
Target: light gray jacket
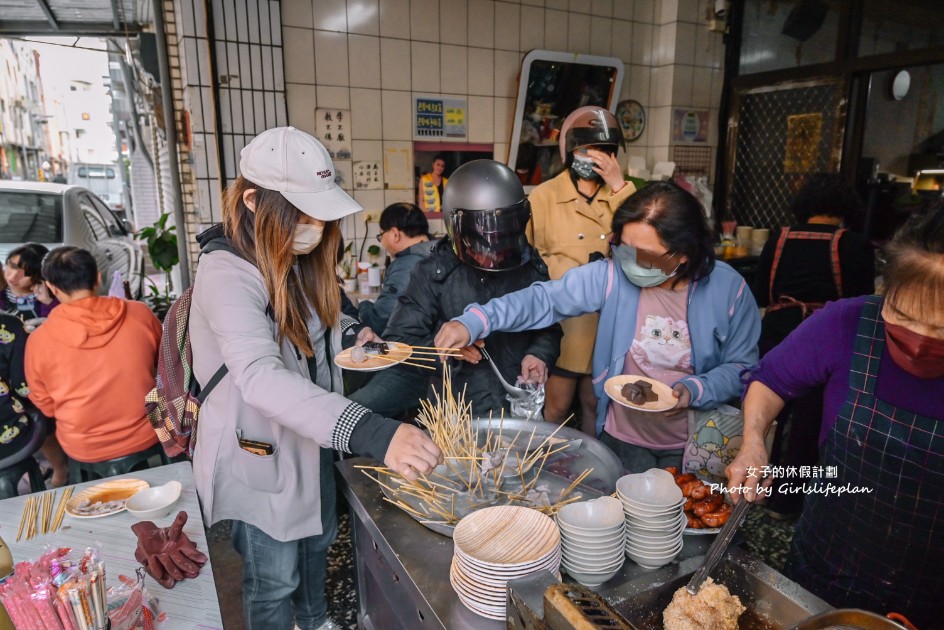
<point x="267" y="395"/>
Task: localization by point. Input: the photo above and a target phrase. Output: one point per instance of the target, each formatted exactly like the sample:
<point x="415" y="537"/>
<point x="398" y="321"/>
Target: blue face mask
<point x="638" y="275"/>
<point x="583" y="167"/>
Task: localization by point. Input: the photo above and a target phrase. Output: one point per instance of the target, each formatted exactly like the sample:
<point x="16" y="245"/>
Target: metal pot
<point x="849" y="618"/>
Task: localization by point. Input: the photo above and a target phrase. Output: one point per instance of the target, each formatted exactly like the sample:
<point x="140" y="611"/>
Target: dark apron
<point x="882" y="551"/>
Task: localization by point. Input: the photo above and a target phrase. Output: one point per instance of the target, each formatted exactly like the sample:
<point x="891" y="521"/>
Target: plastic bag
<point x="130" y="605"/>
<point x="529" y="408"/>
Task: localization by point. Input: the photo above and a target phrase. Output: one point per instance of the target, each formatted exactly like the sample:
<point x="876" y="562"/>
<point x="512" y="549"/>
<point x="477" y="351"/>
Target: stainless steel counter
<point x="403" y="568"/>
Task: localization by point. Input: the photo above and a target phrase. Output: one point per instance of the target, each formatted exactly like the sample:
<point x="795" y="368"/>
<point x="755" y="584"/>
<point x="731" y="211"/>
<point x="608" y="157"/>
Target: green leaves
<point x="161" y="243"/>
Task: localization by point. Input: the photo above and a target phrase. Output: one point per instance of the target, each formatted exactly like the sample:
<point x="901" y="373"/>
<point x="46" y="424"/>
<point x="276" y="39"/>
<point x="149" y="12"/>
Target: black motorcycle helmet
<point x="589" y="126"/>
<point x="486" y="213"/>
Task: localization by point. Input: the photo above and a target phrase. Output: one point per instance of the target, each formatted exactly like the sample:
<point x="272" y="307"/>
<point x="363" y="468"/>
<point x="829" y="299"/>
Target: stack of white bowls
<point x="592" y="539"/>
<point x="497" y="544"/>
<point x="655" y="519"/>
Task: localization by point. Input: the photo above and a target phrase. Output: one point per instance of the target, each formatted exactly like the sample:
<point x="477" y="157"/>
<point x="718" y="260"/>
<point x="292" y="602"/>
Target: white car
<point x="61" y="214"/>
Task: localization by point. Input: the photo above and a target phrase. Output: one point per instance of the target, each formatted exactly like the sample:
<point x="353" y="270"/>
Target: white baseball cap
<point x="298" y="166"/>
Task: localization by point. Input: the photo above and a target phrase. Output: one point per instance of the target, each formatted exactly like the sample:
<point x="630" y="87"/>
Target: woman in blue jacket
<point x="668" y="311"/>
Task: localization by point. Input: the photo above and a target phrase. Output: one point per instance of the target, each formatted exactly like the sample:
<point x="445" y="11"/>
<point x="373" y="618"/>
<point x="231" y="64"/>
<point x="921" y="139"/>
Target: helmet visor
<point x="493" y="240"/>
<point x="589" y="136"/>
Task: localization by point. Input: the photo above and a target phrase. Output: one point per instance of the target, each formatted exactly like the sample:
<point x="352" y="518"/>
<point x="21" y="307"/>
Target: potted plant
<point x="161" y="242"/>
<point x="347" y="268"/>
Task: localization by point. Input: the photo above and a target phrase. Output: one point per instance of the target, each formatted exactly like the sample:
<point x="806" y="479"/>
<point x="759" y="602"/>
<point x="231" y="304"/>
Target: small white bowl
<point x="591" y="516"/>
<point x="651" y="563"/>
<point x="597" y="567"/>
<point x="670" y="546"/>
<point x="595" y="538"/>
<point x="593" y="580"/>
<point x="594" y="557"/>
<point x="653" y="489"/>
<point x="583" y="535"/>
<point x="155" y="502"/>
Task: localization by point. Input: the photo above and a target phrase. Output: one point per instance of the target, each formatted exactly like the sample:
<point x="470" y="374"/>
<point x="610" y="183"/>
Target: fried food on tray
<point x="703" y="506"/>
<point x="712" y="608"/>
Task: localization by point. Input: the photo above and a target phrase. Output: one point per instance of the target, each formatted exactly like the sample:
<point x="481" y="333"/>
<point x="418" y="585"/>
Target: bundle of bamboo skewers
<point x="477" y="472"/>
<point x="38" y="513"/>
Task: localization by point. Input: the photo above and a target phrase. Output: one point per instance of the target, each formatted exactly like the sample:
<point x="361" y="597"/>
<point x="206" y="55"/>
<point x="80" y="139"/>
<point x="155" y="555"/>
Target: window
<point x="29" y="216"/>
<point x="97" y="172"/>
<point x="780" y="35"/>
<point x="909" y="26"/>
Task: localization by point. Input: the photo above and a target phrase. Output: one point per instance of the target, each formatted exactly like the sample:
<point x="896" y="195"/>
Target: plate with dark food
<point x="105" y="498"/>
<point x="373" y="356"/>
<point x="706" y="508"/>
<point x="640" y="392"/>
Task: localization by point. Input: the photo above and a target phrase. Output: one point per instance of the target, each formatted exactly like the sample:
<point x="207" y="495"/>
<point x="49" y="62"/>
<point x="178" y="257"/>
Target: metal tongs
<point x="516" y="392"/>
<point x="719" y="546"/>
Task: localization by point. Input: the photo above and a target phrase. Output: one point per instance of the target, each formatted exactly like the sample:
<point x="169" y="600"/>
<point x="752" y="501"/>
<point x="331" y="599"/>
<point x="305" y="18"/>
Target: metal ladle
<point x="516" y="392"/>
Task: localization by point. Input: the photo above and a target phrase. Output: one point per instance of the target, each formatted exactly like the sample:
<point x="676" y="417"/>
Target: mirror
<point x="551" y="85"/>
<point x="901" y="84"/>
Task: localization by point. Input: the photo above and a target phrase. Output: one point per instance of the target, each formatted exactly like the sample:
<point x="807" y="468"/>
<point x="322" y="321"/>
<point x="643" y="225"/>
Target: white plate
<point x="397" y="353"/>
<point x="614" y="387"/>
<point x="691" y="531"/>
<point x="114" y="490"/>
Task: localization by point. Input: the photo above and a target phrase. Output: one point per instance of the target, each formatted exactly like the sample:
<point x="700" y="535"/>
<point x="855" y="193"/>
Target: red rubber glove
<point x="168" y="554"/>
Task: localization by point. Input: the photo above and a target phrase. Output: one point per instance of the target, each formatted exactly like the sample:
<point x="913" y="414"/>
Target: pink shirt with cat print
<point x="661" y="350"/>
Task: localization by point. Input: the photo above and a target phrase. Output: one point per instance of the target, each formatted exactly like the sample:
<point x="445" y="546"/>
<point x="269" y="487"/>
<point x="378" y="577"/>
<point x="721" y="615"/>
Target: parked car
<point x="102" y="179"/>
<point x="61" y="214"/>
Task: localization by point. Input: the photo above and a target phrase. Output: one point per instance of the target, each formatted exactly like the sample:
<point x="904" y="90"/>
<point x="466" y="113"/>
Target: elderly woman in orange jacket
<point x="570" y="221"/>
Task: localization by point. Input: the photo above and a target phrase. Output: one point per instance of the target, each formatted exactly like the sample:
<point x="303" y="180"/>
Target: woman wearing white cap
<point x="266" y="304"/>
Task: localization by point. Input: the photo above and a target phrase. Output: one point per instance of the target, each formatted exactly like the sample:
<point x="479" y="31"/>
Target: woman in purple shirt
<point x="871" y="531"/>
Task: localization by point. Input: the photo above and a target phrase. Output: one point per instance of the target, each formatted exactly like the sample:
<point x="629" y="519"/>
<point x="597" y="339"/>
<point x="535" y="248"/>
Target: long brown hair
<point x="264" y="238"/>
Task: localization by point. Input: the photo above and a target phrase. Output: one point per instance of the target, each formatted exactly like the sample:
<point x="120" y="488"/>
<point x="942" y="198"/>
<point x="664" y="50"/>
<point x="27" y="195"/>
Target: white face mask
<point x="306" y="239"/>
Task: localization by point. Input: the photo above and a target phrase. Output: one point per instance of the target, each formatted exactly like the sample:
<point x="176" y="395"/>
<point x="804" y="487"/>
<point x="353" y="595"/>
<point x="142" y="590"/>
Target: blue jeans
<point x="282" y="580"/>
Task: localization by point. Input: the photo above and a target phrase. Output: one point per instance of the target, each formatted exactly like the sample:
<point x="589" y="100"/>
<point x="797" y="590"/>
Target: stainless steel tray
<point x="559" y="470"/>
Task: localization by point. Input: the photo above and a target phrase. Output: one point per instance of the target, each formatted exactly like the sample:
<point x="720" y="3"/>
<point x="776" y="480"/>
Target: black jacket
<point x="15" y="422"/>
<point x="440" y="288"/>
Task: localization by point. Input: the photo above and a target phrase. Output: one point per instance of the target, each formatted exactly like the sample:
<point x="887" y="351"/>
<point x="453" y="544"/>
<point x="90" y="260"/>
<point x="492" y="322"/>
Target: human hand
<point x="42" y="293"/>
<point x="744" y="473"/>
<point x="608" y="168"/>
<point x="533" y="370"/>
<point x="469" y="354"/>
<point x="684" y="396"/>
<point x="167" y="553"/>
<point x="411" y="452"/>
<point x="452" y="335"/>
<point x="365" y="335"/>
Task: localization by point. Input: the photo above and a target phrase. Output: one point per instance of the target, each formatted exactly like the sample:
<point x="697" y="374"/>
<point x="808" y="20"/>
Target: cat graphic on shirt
<point x="663" y="343"/>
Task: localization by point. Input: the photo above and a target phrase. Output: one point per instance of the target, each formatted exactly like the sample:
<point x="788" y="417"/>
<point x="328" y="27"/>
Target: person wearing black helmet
<point x="484" y="255"/>
<point x="570" y="222"/>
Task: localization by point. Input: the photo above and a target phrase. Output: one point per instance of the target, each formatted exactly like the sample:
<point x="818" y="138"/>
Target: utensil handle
<point x="719" y="546"/>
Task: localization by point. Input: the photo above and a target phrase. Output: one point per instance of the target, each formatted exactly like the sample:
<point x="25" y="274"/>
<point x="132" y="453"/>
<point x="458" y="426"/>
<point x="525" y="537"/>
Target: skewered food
<point x="376" y="347"/>
<point x="360" y="354"/>
<point x="639" y="392"/>
<point x="712" y="608"/>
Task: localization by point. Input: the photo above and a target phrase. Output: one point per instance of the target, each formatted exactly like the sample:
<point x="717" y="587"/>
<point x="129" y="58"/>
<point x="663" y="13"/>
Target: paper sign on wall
<point x="398" y="169"/>
<point x="333" y="128"/>
<point x="690" y="125"/>
<point x="367" y="176"/>
<point x="436" y="117"/>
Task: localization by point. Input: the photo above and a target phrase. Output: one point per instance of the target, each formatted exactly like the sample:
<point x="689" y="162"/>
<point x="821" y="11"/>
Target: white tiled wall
<point x="372" y="56"/>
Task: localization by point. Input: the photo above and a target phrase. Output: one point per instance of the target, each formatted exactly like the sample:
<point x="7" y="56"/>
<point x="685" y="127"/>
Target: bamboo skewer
<point x="392" y="360"/>
<point x="23" y="517"/>
<point x="61" y="509"/>
<point x="435" y="348"/>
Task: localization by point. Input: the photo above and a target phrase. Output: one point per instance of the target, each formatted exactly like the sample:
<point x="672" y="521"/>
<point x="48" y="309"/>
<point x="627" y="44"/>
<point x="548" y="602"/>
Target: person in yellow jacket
<point x="432" y="185"/>
<point x="570" y="224"/>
